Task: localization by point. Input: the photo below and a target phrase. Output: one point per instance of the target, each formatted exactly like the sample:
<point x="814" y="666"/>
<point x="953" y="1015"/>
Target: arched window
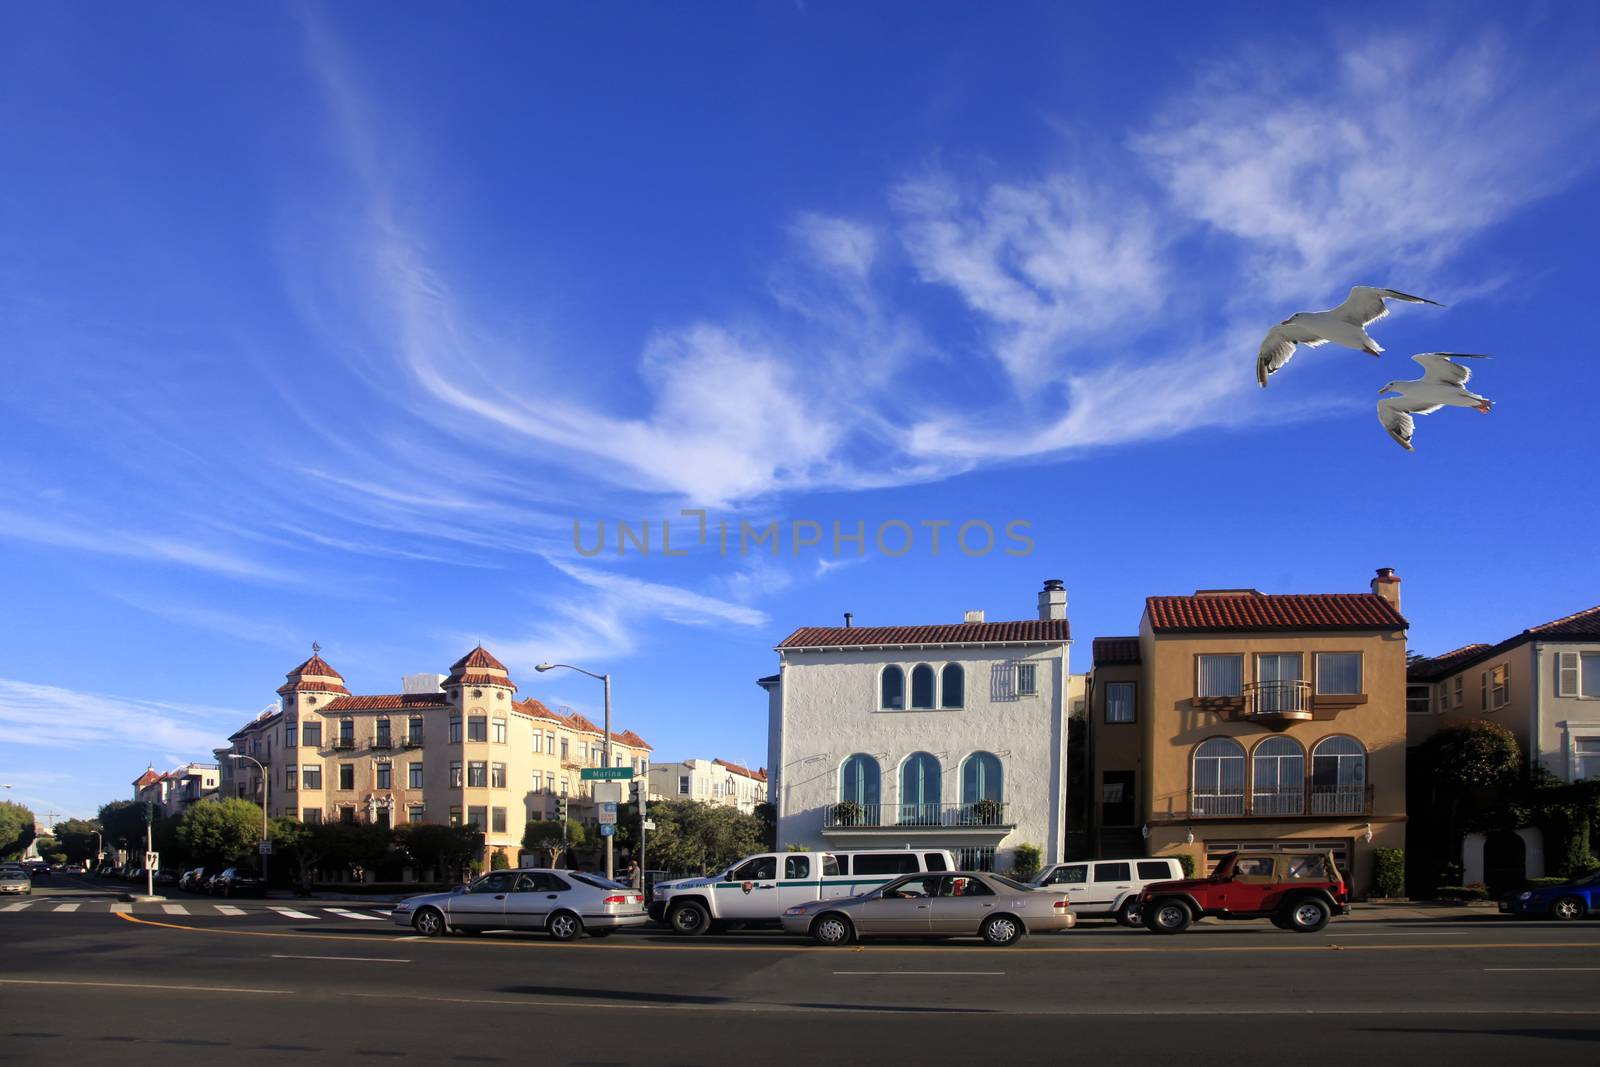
<point x="1218" y="778"/>
<point x="983" y="780"/>
<point x="1280" y="778"/>
<point x="893" y="688"/>
<point x="922" y="686"/>
<point x="1338" y="777"/>
<point x="952" y="686"/>
<point x="858" y="783"/>
<point x="919" y="790"/>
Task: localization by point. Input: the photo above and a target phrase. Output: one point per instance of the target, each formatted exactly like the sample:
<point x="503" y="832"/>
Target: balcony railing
<point x="344" y="742"/>
<point x="1278" y="700"/>
<point x="1294" y="801"/>
<point x="850" y="815"/>
<point x="383" y="741"/>
<point x="412" y="741"/>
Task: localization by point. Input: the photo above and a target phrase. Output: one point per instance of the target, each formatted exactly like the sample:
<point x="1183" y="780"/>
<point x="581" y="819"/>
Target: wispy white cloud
<point x="47" y="716"/>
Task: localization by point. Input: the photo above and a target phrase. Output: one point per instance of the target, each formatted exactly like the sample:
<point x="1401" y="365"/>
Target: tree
<point x="544" y="835"/>
<point x="77" y="838"/>
<point x="222" y="831"/>
<point x="357" y="848"/>
<point x="123" y="822"/>
<point x="444" y="850"/>
<point x="16" y="829"/>
<point x="691" y="835"/>
<point x="767" y="815"/>
<point x="49" y="850"/>
<point x="1475" y="754"/>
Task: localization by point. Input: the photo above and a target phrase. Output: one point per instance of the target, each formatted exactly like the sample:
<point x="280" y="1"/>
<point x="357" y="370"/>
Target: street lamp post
<point x="605" y="679"/>
<point x="265" y="785"/>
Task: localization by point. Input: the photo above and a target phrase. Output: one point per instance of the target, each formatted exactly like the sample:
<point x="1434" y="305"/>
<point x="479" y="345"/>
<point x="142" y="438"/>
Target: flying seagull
<point x="1444" y="385"/>
<point x="1344" y="325"/>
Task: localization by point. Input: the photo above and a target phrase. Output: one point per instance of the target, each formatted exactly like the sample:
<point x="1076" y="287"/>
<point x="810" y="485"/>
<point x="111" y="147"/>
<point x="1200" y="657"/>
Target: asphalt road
<point x="148" y="986"/>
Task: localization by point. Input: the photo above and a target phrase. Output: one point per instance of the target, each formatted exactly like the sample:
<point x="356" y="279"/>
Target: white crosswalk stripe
<point x="18" y="906"/>
<point x="291" y="913"/>
<point x="174" y="909"/>
<point x="229" y="909"/>
<point x="354" y="914"/>
<point x="121" y="907"/>
<point x="65" y="907"/>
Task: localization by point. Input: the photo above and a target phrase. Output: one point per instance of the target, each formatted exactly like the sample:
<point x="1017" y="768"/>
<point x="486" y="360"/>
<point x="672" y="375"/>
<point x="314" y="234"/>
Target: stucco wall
<point x="828" y="706"/>
<point x="1561" y="719"/>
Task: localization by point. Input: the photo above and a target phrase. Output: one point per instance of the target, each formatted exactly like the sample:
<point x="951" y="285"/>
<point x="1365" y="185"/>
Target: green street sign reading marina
<point x="605" y="774"/>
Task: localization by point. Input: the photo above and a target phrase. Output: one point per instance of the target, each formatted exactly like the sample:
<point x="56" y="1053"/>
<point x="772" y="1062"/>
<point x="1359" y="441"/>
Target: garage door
<point x="1340" y="847"/>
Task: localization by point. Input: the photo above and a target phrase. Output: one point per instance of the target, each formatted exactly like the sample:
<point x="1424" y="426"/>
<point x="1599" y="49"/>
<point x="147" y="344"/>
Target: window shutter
<point x="1566" y="674"/>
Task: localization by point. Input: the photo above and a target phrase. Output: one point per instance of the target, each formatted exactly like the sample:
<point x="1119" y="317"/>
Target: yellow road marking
<point x="1164" y="949"/>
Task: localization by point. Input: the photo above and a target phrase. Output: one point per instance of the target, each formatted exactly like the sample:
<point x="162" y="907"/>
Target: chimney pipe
<point x="1387" y="585"/>
<point x="1053" y="600"/>
<point x="847" y="617"/>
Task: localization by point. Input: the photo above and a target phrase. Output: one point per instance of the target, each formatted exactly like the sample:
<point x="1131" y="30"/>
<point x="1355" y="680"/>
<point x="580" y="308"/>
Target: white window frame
<point x="1499" y="695"/>
<point x="1199" y="672"/>
<point x="1583" y="658"/>
<point x="1578" y="731"/>
<point x="1133" y="703"/>
<point x="1361" y="672"/>
<point x="1458" y="691"/>
<point x="1030" y="671"/>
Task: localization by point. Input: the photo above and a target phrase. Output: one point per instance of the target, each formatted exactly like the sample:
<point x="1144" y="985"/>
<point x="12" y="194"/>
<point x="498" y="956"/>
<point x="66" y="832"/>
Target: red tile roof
<point x="1583" y="624"/>
<point x="311" y="687"/>
<point x="578" y="722"/>
<point x="536" y="708"/>
<point x="737" y="769"/>
<point x="477" y="658"/>
<point x="149" y="777"/>
<point x="388" y="702"/>
<point x="1114" y="651"/>
<point x="315" y="667"/>
<point x="1252" y="611"/>
<point x="1025" y="632"/>
<point x="1436" y="667"/>
<point x="633" y="740"/>
<point x="480" y="678"/>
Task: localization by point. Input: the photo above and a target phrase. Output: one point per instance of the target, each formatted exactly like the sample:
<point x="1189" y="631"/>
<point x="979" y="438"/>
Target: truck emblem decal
<point x="746" y="887"/>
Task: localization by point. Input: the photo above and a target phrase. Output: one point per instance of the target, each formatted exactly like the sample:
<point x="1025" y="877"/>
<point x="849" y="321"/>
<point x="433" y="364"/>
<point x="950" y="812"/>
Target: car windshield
<point x="1010" y="883"/>
<point x="598" y="882"/>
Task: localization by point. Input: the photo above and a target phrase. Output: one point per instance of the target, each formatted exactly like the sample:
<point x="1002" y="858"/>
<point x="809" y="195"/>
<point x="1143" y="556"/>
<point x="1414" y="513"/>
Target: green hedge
<point x="1186" y="861"/>
<point x="1461" y="892"/>
<point x="1390" y="875"/>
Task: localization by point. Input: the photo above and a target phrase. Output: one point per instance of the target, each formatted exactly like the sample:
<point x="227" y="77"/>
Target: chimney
<point x="1387" y="585"/>
<point x="1053" y="600"/>
<point x="847" y="617"/>
<point x="973" y="616"/>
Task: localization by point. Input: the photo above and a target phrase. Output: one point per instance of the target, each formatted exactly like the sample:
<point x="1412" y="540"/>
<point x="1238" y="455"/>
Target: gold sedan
<point x="948" y="904"/>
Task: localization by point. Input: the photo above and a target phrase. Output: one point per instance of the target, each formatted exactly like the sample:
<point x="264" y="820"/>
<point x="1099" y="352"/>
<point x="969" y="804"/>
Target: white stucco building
<point x="950" y="736"/>
<point x="711" y="781"/>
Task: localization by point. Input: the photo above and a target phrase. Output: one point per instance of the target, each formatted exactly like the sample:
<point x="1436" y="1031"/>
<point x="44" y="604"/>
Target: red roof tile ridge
<point x="1586" y="615"/>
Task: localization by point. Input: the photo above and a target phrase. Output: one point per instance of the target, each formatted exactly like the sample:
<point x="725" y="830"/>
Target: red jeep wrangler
<point x="1298" y="891"/>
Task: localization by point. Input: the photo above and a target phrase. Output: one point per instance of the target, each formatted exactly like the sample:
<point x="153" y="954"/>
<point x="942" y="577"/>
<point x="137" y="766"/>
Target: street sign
<point x="649" y="824"/>
<point x="606" y="774"/>
<point x="152" y="861"/>
<point x="608" y="815"/>
<point x="266" y="848"/>
<point x="607" y="830"/>
<point x="607" y="792"/>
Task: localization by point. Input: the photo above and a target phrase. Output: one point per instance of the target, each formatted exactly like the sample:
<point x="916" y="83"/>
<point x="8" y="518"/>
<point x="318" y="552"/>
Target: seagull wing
<point x="1397" y="421"/>
<point x="1365" y="304"/>
<point x="1279" y="346"/>
<point x="1443" y="369"/>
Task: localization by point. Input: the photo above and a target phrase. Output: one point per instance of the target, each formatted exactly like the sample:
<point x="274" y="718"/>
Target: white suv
<point x="1109" y="887"/>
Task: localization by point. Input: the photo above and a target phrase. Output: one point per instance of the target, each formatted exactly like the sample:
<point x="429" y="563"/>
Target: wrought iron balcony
<point x="1280" y="802"/>
<point x="344" y="742"/>
<point x="850" y="815"/>
<point x="382" y="741"/>
<point x="1282" y="701"/>
<point x="412" y="741"/>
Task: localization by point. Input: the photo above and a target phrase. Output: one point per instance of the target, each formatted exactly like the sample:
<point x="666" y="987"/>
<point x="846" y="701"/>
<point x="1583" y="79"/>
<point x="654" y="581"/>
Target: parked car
<point x="565" y="904"/>
<point x="759" y="888"/>
<point x="1573" y="899"/>
<point x="166" y="876"/>
<point x="1298" y="891"/>
<point x="15" y="880"/>
<point x="1109" y="887"/>
<point x="237" y="882"/>
<point x="132" y="874"/>
<point x="952" y="904"/>
<point x="193" y="880"/>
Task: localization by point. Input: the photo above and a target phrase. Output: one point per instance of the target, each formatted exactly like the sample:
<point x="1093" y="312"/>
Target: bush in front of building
<point x="498" y="861"/>
<point x="1389" y="877"/>
<point x="1462" y="892"/>
<point x="1025" y="862"/>
<point x="1186" y="861"/>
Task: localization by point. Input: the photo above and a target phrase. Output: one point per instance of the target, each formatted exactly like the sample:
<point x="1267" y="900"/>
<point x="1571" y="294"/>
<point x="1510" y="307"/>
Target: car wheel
<point x="689" y="919"/>
<point x="1307" y="915"/>
<point x="1002" y="930"/>
<point x="1568" y="908"/>
<point x="565" y="926"/>
<point x="1168" y="917"/>
<point x="429" y="922"/>
<point x="832" y="930"/>
<point x="1129" y="914"/>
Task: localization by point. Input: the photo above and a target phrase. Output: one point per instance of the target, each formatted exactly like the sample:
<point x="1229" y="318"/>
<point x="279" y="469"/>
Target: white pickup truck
<point x="759" y="888"/>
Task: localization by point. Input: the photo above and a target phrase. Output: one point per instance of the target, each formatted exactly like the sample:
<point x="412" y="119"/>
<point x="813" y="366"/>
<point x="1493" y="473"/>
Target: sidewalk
<point x="1421" y="911"/>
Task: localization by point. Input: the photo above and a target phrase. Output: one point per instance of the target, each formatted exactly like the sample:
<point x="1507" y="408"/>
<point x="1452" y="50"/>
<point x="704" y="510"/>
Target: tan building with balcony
<point x="714" y="781"/>
<point x="175" y="790"/>
<point x="1236" y="719"/>
<point x="456" y="749"/>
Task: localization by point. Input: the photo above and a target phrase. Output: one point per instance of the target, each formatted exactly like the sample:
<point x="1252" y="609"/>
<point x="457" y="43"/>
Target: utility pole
<point x="639" y="784"/>
<point x="611" y="871"/>
<point x="149" y="847"/>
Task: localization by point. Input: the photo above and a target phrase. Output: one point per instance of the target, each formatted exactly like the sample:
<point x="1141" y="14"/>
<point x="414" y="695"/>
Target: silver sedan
<point x="952" y="904"/>
<point x="15" y="880"/>
<point x="566" y="904"/>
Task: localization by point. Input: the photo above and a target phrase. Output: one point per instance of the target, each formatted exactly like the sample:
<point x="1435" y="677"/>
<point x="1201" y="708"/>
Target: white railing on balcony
<point x="1278" y="698"/>
<point x="1340" y="799"/>
<point x="1285" y="800"/>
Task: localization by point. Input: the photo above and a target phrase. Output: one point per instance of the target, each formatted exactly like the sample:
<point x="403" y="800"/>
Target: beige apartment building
<point x="457" y="749"/>
<point x="715" y="781"/>
<point x="1238" y="719"/>
<point x="173" y="791"/>
<point x="1542" y="684"/>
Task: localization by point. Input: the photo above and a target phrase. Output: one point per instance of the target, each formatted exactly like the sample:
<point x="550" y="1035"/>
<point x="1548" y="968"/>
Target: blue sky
<point x="326" y="323"/>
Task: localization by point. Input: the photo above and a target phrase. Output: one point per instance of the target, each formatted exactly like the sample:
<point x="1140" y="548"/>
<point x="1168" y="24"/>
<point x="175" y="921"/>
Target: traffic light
<point x="149" y="812"/>
<point x="561" y="809"/>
